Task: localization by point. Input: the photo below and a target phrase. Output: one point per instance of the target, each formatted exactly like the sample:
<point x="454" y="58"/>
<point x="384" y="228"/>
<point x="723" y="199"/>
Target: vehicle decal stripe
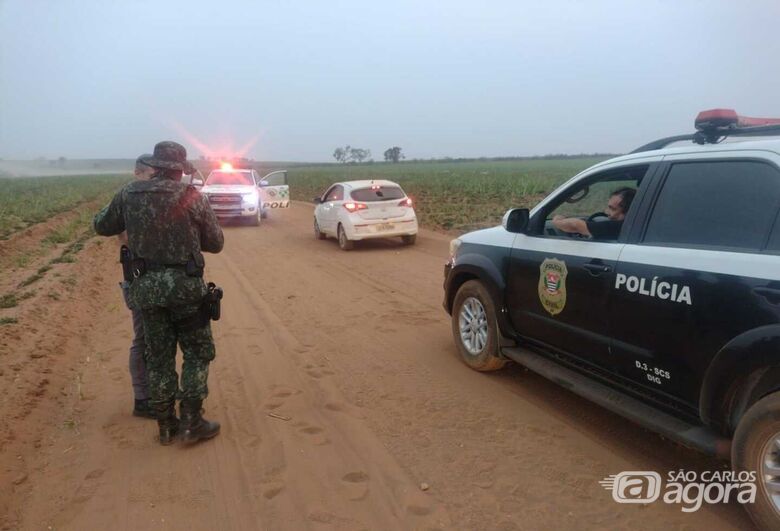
<point x="752" y="265"/>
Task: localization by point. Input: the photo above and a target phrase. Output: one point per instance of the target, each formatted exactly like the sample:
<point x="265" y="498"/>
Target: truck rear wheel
<point x="756" y="448"/>
<point x="474" y="327"/>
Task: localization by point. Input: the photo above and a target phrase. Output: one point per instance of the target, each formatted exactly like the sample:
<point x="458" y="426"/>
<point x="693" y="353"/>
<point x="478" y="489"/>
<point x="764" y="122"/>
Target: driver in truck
<point x="617" y="208"/>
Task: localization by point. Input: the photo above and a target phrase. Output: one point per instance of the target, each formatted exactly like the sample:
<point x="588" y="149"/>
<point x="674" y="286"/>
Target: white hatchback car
<point x="361" y="210"/>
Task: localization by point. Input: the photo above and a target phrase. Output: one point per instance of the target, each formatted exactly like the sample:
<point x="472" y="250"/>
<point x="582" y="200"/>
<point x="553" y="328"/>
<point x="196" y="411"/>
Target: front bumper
<point x="234" y="211"/>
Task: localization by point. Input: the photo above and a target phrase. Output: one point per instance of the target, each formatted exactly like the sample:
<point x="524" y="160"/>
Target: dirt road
<point x="355" y="349"/>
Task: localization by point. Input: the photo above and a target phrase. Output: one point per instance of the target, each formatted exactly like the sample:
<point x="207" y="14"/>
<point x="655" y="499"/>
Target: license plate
<point x="385" y="226"/>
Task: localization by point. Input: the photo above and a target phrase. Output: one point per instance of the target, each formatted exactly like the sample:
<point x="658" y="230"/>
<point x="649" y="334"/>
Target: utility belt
<point x="135" y="267"/>
<point x="211" y="305"/>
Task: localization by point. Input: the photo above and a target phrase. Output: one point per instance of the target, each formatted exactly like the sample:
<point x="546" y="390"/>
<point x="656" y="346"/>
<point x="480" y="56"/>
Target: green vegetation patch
<point x="451" y="195"/>
<point x="25" y="201"/>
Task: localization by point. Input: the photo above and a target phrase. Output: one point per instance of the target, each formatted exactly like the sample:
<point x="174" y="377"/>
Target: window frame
<point x="332" y="188"/>
<point x="540" y="217"/>
<point x="654" y="194"/>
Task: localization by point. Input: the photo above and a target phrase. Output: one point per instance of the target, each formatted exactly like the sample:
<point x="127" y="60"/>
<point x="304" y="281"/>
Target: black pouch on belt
<point x="195" y="265"/>
<point x="125" y="257"/>
<point x="214" y="301"/>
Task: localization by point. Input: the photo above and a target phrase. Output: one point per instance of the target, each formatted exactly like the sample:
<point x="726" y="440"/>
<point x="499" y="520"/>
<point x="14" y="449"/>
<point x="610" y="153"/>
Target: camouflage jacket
<point x="167" y="222"/>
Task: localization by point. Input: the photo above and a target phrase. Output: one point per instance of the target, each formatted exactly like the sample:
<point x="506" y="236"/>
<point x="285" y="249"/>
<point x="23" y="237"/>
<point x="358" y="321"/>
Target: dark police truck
<point x="668" y="314"/>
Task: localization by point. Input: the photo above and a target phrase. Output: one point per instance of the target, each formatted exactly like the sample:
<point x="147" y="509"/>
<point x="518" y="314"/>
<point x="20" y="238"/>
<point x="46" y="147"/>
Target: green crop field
<point x="29" y="200"/>
<point x="451" y="195"/>
<point x="448" y="195"/>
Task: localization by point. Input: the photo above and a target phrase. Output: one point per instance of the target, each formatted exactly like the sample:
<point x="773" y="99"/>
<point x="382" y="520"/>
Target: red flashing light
<point x="406" y="202"/>
<point x="720" y="118"/>
<point x="716" y="118"/>
<point x="354" y="207"/>
<point x="747" y="121"/>
<point x="226" y="166"/>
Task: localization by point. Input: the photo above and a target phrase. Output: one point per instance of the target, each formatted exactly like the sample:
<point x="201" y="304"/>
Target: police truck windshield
<point x="230" y="177"/>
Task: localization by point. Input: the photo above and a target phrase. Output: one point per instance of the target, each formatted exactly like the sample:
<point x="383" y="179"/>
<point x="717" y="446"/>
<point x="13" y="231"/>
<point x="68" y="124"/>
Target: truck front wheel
<point x="756" y="449"/>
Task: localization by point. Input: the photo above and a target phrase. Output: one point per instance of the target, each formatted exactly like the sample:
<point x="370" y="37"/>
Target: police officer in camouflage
<point x="168" y="224"/>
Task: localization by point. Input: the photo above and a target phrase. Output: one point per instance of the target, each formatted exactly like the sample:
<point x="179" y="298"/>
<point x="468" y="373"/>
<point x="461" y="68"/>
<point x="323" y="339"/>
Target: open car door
<point x="274" y="191"/>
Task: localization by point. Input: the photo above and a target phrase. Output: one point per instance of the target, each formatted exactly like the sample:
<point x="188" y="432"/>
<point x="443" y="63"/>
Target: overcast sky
<point x="293" y="80"/>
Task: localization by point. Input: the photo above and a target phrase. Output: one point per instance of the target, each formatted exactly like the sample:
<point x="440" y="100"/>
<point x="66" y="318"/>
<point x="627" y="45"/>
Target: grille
<point x="222" y="199"/>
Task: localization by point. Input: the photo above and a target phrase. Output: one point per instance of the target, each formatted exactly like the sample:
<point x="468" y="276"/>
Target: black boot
<point x="194" y="427"/>
<point x="169" y="425"/>
<point x="142" y="409"/>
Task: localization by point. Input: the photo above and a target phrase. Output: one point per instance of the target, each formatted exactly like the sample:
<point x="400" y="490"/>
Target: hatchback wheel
<point x="345" y="243"/>
<point x="409" y="240"/>
<point x="474" y="327"/>
<point x="317" y="232"/>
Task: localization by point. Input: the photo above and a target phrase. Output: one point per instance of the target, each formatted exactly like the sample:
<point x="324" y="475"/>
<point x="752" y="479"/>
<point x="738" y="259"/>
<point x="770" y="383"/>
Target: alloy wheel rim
<point x="770" y="471"/>
<point x="473" y="325"/>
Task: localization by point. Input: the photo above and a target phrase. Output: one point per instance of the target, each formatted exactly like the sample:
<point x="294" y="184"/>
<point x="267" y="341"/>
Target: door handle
<point x="597" y="269"/>
<point x="770" y="294"/>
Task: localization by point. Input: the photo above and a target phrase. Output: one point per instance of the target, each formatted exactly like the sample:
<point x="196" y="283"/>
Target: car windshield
<point x="230" y="177"/>
<point x="378" y="193"/>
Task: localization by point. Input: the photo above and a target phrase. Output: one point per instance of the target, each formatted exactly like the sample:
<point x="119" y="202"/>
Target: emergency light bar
<point x="714" y="125"/>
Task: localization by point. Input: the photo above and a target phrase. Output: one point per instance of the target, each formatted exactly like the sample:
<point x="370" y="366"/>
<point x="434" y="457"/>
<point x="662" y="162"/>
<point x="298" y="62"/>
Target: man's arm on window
<point x="571" y="225"/>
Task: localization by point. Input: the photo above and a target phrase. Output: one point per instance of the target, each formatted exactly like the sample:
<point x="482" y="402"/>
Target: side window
<point x="335" y="194"/>
<point x="276" y="178"/>
<point x="594" y="209"/>
<point x="716" y="204"/>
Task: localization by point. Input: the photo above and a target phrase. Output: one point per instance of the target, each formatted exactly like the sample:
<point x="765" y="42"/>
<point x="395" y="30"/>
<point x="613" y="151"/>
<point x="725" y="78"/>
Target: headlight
<point x="250" y="197"/>
<point x="454" y="245"/>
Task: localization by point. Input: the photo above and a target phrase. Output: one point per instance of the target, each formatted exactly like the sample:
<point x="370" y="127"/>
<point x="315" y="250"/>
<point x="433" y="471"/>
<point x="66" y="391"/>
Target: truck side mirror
<point x="317" y="200"/>
<point x="516" y="220"/>
<point x="196" y="182"/>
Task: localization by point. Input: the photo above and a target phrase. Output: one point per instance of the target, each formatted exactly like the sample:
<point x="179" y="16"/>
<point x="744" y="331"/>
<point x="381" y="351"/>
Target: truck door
<point x="560" y="284"/>
<point x="274" y="190"/>
<point x="700" y="273"/>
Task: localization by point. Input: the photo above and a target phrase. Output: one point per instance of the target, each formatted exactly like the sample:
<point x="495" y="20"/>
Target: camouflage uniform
<point x="168" y="223"/>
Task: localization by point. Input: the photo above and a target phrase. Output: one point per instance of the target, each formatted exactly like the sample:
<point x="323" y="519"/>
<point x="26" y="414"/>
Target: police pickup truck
<point x="649" y="284"/>
<point x="241" y="194"/>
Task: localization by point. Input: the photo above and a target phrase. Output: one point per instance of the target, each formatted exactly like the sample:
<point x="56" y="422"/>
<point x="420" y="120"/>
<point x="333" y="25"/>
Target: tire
<point x="475" y="297"/>
<point x="752" y="448"/>
<point x="255" y="220"/>
<point x="409" y="240"/>
<point x="345" y="243"/>
<point x="263" y="214"/>
<point x="317" y="232"/>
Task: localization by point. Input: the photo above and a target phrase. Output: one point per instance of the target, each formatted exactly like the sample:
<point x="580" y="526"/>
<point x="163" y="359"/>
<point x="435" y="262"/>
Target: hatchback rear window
<point x="379" y="193"/>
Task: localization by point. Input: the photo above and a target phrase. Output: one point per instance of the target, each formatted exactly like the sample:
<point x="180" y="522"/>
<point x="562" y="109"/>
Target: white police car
<point x="243" y="195"/>
<point x="650" y="284"/>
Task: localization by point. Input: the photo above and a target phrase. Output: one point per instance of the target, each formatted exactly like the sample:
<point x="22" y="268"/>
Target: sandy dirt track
<point x="355" y="348"/>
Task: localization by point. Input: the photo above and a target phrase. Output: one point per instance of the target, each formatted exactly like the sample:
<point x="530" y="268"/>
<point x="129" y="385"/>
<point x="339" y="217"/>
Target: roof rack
<point x="715" y="125"/>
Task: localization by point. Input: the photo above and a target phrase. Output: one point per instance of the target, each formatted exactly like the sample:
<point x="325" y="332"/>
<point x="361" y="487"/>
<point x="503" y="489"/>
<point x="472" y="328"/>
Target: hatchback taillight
<point x="354" y="207"/>
<point x="406" y="202"/>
